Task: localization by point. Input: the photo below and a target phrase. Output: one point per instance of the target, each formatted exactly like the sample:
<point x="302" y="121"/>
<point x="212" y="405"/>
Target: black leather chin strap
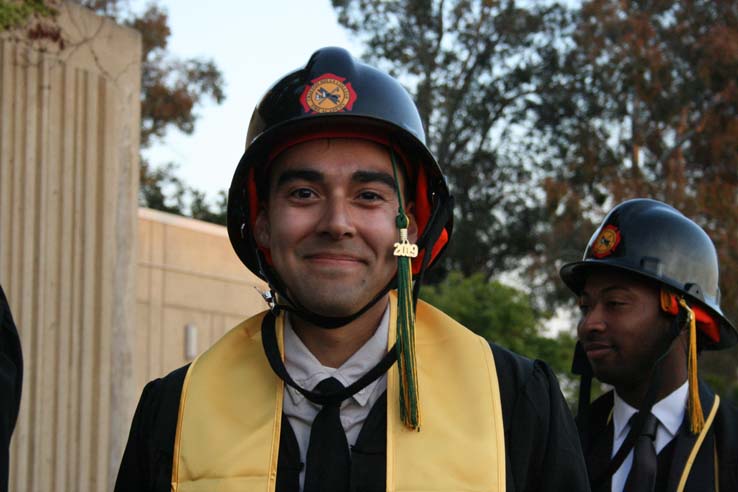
<point x="328" y="322"/>
<point x="271" y="349"/>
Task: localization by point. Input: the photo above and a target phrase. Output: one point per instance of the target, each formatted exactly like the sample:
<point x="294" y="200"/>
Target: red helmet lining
<point x="705" y="322"/>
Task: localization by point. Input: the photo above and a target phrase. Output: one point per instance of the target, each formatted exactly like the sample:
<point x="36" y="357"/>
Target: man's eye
<point x="583" y="308"/>
<point x="370" y="196"/>
<point x="302" y="193"/>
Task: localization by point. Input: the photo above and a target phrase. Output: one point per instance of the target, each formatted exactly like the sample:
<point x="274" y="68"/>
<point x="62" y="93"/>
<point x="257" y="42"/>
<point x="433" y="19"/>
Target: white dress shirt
<point x="670" y="412"/>
<point x="307" y="372"/>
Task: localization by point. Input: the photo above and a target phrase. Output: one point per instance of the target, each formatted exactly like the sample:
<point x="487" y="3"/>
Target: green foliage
<point x="200" y="209"/>
<point x="32" y="22"/>
<point x="720" y="371"/>
<point x="18" y="13"/>
<point x="501" y="314"/>
<point x="161" y="189"/>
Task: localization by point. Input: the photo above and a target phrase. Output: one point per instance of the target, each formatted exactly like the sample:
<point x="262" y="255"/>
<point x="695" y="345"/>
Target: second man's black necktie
<point x="642" y="477"/>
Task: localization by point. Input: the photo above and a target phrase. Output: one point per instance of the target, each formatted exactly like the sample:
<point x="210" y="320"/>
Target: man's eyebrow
<point x="374" y="176"/>
<point x="299" y="175"/>
<point x="615" y="288"/>
<point x="606" y="290"/>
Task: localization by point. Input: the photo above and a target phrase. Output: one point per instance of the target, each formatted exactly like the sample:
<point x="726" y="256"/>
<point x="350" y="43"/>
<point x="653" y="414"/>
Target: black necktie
<point x="642" y="477"/>
<point x="328" y="460"/>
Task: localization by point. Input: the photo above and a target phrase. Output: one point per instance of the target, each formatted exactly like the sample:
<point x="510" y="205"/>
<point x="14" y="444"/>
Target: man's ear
<point x="412" y="230"/>
<point x="261" y="229"/>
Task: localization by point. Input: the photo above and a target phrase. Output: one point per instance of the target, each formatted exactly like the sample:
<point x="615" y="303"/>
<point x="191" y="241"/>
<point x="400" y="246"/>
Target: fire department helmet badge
<point x="606" y="242"/>
<point x="328" y="94"/>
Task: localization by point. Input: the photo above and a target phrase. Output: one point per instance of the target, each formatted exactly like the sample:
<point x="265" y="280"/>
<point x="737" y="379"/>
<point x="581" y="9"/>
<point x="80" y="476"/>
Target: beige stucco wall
<point x="100" y="290"/>
<point x="187" y="273"/>
<point x="69" y="131"/>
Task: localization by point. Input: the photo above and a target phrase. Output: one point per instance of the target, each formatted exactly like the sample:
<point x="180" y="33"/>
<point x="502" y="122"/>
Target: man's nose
<point x="337" y="220"/>
<point x="591" y="321"/>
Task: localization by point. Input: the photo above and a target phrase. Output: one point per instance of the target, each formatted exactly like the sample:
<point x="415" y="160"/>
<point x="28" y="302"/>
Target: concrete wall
<point x="105" y="296"/>
<point x="187" y="274"/>
<point x="69" y="131"/>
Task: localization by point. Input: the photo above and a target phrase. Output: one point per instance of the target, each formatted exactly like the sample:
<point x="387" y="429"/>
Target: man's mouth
<point x="595" y="350"/>
<point x="337" y="259"/>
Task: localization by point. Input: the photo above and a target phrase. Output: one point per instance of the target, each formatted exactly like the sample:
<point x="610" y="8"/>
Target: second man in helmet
<point x="647" y="289"/>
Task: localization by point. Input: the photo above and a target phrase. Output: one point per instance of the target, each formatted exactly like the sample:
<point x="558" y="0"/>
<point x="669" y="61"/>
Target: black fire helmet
<point x="337" y="95"/>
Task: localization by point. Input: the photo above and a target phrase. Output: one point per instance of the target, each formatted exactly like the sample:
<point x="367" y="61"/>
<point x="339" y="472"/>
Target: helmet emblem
<point x="328" y="94"/>
<point x="606" y="241"/>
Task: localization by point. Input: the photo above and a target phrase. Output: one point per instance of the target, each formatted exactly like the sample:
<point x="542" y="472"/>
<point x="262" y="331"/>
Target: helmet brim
<point x="574" y="275"/>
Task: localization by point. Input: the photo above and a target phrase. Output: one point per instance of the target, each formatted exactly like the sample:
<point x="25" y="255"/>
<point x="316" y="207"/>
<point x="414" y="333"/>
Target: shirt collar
<point x="669" y="410"/>
<point x="307" y="371"/>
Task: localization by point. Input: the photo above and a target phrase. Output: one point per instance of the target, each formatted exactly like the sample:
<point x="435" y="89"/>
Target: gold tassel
<point x="694" y="406"/>
<point x="406" y="362"/>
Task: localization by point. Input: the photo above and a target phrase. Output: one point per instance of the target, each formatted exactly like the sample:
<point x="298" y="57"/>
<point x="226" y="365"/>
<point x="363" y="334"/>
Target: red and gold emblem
<point x="606" y="242"/>
<point x="328" y="94"/>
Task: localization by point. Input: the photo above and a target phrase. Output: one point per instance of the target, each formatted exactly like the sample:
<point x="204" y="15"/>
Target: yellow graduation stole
<point x="230" y="414"/>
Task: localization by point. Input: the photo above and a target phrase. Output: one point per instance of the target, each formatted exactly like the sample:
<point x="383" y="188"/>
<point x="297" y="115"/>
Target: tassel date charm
<point x="405" y="247"/>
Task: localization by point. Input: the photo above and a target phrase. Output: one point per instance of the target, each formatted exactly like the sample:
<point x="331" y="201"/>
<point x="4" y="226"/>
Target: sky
<point x="253" y="44"/>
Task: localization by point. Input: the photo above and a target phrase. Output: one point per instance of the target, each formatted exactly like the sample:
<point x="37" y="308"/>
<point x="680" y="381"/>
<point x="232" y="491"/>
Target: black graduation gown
<point x="721" y="441"/>
<point x="541" y="441"/>
<point x="11" y="378"/>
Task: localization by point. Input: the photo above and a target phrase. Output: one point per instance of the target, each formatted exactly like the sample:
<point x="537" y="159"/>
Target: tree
<point x="161" y="189"/>
<point x="501" y="314"/>
<point x="171" y="90"/>
<point x="199" y="208"/>
<point x="646" y="104"/>
<point x="472" y="66"/>
<point x="544" y="116"/>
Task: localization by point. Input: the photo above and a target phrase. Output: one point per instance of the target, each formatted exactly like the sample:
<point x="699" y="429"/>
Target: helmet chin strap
<point x="327" y="322"/>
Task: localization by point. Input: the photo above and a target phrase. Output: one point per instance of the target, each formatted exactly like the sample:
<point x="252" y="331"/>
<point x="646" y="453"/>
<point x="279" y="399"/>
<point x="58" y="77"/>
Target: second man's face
<point x="329" y="223"/>
<point x="622" y="328"/>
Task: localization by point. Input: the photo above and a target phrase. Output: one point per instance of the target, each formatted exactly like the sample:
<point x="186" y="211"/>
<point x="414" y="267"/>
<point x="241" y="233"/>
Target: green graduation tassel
<point x="406" y="363"/>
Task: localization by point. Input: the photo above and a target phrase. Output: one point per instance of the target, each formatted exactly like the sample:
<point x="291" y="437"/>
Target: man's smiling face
<point x="329" y="223"/>
<point x="622" y="327"/>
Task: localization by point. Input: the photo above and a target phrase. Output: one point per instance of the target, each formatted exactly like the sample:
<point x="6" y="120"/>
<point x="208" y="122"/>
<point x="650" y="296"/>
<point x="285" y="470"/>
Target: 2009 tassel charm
<point x="405" y="247"/>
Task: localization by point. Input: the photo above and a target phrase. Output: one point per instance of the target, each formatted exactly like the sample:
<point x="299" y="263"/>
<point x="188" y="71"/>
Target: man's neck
<point x="673" y="375"/>
<point x="333" y="347"/>
<point x="635" y="396"/>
